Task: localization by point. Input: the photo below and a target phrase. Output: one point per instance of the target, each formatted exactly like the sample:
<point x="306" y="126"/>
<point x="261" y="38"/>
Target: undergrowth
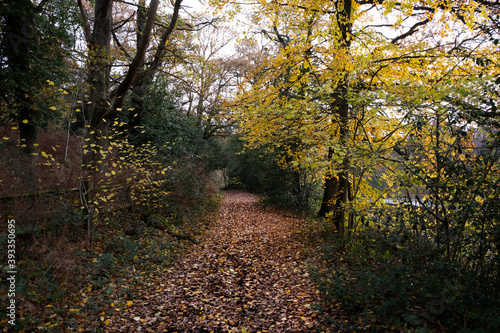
<point x="76" y="289"/>
<point x="385" y="283"/>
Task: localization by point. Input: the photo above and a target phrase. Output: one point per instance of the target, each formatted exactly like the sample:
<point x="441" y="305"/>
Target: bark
<point x="331" y="187"/>
<point x="158" y="57"/>
<point x="85" y="21"/>
<point x="336" y="192"/>
<point x="341" y="196"/>
<point x="28" y="132"/>
<point x="99" y="64"/>
<point x="138" y="60"/>
<point x="139" y="90"/>
<point x="95" y="132"/>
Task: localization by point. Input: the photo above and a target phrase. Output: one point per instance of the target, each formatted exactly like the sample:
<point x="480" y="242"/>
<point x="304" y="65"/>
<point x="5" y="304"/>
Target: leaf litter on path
<point x="247" y="274"/>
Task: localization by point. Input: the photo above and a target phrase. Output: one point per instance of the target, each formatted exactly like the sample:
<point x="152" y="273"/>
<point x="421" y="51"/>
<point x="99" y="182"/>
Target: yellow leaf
<point x="106" y="322"/>
<point x="129" y="303"/>
<point x="73" y="310"/>
<point x="25" y="121"/>
<point x="53" y="108"/>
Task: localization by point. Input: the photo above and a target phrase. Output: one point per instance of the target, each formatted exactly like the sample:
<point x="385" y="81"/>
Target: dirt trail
<point x="247" y="273"/>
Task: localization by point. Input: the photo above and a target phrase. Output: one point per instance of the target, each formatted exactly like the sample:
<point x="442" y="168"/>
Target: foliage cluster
<point x="135" y="184"/>
<point x="386" y="282"/>
<point x="260" y="171"/>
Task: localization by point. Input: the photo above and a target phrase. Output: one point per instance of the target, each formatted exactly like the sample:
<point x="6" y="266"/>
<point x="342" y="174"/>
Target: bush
<point x="383" y="281"/>
<point x="260" y="172"/>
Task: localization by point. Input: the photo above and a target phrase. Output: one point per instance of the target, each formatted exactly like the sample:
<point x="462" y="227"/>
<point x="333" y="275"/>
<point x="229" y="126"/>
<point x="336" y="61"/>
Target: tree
<point x="338" y="75"/>
<point x="106" y="97"/>
<point x="205" y="76"/>
<point x="36" y="37"/>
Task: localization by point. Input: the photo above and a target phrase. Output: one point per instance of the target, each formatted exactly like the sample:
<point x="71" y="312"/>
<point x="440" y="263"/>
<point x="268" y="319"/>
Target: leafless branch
<point x="139" y="57"/>
<point x="117" y="41"/>
<point x="86" y="25"/>
<point x="157" y="60"/>
<point x="410" y="32"/>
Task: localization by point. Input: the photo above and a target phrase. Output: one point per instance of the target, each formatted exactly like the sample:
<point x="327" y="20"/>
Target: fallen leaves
<point x="246" y="275"/>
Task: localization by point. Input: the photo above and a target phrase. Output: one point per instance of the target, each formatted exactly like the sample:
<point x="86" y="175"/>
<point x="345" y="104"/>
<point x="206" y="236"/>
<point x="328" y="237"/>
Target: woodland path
<point x="247" y="273"/>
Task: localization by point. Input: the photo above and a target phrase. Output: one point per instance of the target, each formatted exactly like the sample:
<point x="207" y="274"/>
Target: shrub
<point x="259" y="171"/>
<point x="382" y="279"/>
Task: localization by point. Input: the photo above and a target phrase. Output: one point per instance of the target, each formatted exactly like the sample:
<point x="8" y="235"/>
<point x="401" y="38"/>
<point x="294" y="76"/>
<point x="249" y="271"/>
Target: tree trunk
<point x="336" y="192"/>
<point x="137" y="113"/>
<point x="103" y="104"/>
<point x="95" y="131"/>
<point x="28" y="132"/>
<point x="331" y="188"/>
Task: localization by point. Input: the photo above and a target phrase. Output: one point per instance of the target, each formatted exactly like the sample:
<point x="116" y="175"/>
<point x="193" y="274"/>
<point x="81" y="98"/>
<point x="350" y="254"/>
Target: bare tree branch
<point x="86" y="25"/>
<point x="123" y="22"/>
<point x="157" y="60"/>
<point x="138" y="59"/>
<point x="283" y="43"/>
<point x="410" y="32"/>
<point x="117" y="41"/>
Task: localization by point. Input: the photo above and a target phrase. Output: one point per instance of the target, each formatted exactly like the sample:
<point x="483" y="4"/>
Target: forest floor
<point x="247" y="274"/>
